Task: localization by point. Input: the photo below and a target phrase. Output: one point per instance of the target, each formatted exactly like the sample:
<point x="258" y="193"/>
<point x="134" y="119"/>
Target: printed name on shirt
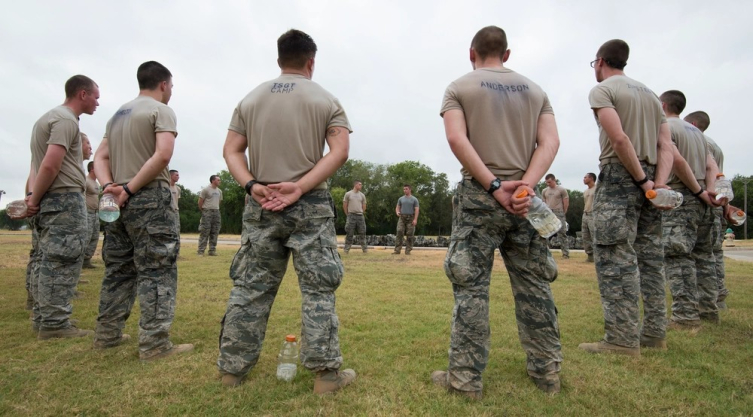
<point x="641" y="89"/>
<point x="282" y="88"/>
<point x="503" y="87"/>
<point x="692" y="128"/>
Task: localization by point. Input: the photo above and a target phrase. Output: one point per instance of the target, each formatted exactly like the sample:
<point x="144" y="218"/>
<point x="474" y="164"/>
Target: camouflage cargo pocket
<point x="64" y="246"/>
<point x="610" y="224"/>
<point x="676" y="240"/>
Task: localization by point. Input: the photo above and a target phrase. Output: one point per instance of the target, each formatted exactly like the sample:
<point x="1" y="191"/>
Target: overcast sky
<point x="388" y="62"/>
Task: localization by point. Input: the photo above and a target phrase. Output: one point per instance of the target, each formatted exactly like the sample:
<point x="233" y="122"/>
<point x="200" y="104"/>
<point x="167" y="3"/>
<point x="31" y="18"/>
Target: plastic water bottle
<point x="664" y="198"/>
<point x="108" y="208"/>
<point x="738" y="217"/>
<point x="723" y="188"/>
<point x="541" y="217"/>
<point x="287" y="360"/>
<point x="16" y="209"/>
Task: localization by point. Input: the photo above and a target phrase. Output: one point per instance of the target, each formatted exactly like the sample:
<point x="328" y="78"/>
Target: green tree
<point x="233" y="203"/>
<point x="738" y="187"/>
<point x="10" y="224"/>
<point x="188" y="204"/>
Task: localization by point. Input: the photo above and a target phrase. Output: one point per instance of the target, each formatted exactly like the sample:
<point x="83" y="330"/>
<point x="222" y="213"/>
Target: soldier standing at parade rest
<point x="556" y="198"/>
<point x="407" y="212"/>
<point x="175" y="191"/>
<point x="209" y="226"/>
<point x="587" y="224"/>
<point x="636" y="156"/>
<point x="141" y="246"/>
<point x="354" y="207"/>
<point x="689" y="264"/>
<point x="284" y="124"/>
<point x="57" y="200"/>
<point x="501" y="127"/>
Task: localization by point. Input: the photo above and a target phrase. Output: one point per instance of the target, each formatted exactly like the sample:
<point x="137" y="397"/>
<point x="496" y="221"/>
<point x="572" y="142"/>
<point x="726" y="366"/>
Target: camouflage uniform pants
<point x="481" y="225"/>
<point x="562" y="234"/>
<point x="209" y="228"/>
<point x="689" y="258"/>
<point x="60" y="226"/>
<point x="307" y="230"/>
<point x="629" y="258"/>
<point x="355" y="223"/>
<point x="405" y="228"/>
<point x="586" y="227"/>
<point x="140" y="250"/>
<point x="91" y="235"/>
<point x="34" y="256"/>
<point x="717" y="237"/>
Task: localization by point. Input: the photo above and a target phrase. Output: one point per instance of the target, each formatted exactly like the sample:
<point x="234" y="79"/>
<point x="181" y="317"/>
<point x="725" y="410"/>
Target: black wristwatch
<point x="249" y="186"/>
<point x="494" y="185"/>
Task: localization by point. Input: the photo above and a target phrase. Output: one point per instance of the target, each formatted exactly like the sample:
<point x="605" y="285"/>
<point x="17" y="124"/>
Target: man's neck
<point x="172" y="183"/>
<point x="91" y="175"/>
<point x="672" y="115"/>
<point x="155" y="94"/>
<point x="74" y="108"/>
<point x="490" y="63"/>
<point x="591" y="185"/>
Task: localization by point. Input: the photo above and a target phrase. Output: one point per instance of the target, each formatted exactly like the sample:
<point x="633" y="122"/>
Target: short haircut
<point x="213" y="177"/>
<point x="90" y="166"/>
<point x="357" y="182"/>
<point x="78" y="83"/>
<point x="407" y="185"/>
<point x="700" y="119"/>
<point x="592" y="175"/>
<point x="675" y="101"/>
<point x="294" y="48"/>
<point x="173" y="171"/>
<point x="615" y="53"/>
<point x="151" y="73"/>
<point x="490" y="41"/>
<point x="550" y="177"/>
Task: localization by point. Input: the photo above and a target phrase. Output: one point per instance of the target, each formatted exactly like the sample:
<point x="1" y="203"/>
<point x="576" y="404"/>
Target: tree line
<point x="382" y="185"/>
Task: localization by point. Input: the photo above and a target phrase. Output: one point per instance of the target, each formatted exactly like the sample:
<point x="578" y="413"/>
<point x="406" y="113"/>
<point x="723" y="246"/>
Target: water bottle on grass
<point x="287" y="360"/>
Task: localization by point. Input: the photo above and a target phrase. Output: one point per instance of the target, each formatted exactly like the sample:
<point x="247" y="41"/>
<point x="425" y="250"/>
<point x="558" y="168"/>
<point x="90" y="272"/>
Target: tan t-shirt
<point x="59" y="126"/>
<point x="588" y="199"/>
<point x="716" y="153"/>
<point x="131" y="136"/>
<point x="640" y="114"/>
<point x="92" y="194"/>
<point x="692" y="146"/>
<point x="355" y="201"/>
<point x="175" y="191"/>
<point x="502" y="110"/>
<point x="285" y="121"/>
<point x="212" y="198"/>
<point x="555" y="197"/>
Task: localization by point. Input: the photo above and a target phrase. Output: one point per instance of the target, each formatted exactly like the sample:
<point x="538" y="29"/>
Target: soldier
<point x="140" y="247"/>
<point x="636" y="156"/>
<point x="556" y="198"/>
<point x="57" y="199"/>
<point x="284" y="124"/>
<point x="209" y="225"/>
<point x="92" y="217"/>
<point x="587" y="224"/>
<point x="701" y="120"/>
<point x="407" y="213"/>
<point x="175" y="191"/>
<point x="688" y="246"/>
<point x="501" y="127"/>
<point x="354" y="206"/>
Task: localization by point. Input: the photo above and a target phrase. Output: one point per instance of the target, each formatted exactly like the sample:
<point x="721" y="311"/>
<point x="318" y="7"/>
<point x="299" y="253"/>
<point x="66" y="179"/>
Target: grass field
<point x="395" y="324"/>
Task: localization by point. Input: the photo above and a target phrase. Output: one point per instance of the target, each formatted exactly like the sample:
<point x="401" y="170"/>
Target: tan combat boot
<point x="62" y="333"/>
<point x="440" y="379"/>
<point x="654" y="342"/>
<point x="98" y="344"/>
<point x="604" y="347"/>
<point x="176" y="349"/>
<point x="232" y="381"/>
<point x="550" y="384"/>
<point x="330" y="381"/>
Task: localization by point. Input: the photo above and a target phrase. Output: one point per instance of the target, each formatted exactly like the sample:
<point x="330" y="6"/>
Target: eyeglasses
<point x="593" y="63"/>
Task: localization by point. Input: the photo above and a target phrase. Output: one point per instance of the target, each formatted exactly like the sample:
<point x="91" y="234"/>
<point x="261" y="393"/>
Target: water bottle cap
<point x="651" y="194"/>
<point x="720" y="175"/>
<point x="290" y="338"/>
<point x="740" y="213"/>
<point x="522" y="194"/>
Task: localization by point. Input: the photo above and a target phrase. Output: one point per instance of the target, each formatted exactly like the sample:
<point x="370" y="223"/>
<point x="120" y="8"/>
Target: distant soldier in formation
<point x="141" y="246"/>
<point x="284" y="124"/>
<point x="407" y="212"/>
<point x="587" y="222"/>
<point x="57" y="200"/>
<point x="209" y="226"/>
<point x="354" y="207"/>
<point x="556" y="198"/>
<point x="501" y="127"/>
